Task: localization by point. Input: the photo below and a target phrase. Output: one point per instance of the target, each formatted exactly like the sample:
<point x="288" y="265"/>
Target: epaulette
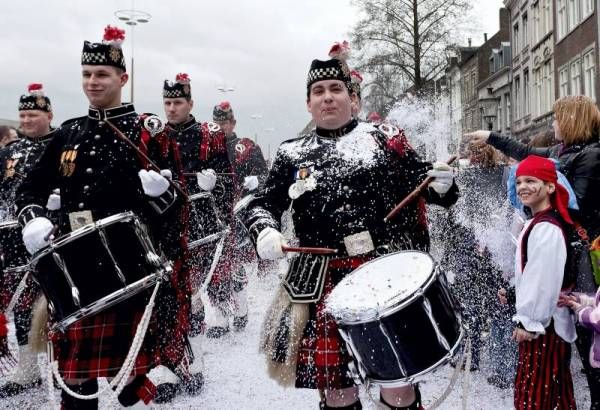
<point x="212" y="127"/>
<point x="152" y="123"/>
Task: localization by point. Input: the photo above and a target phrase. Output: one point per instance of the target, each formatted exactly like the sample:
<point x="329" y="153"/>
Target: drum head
<point x="378" y="285"/>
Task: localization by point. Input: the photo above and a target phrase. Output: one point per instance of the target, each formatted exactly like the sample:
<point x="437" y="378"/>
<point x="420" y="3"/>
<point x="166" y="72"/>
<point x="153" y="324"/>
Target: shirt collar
<point x="101" y="114"/>
<point x="338" y="132"/>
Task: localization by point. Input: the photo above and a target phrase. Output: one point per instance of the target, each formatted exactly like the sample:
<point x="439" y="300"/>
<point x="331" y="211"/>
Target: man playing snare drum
<point x="339" y="182"/>
<point x="99" y="175"/>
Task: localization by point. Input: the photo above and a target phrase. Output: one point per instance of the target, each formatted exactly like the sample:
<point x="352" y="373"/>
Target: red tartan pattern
<point x="322" y="357"/>
<point x="97" y="346"/>
<point x="543" y="378"/>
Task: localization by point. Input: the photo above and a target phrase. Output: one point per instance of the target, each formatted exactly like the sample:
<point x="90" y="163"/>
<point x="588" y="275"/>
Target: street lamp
<point x="133" y="18"/>
<point x="256" y="117"/>
<point x="224" y="89"/>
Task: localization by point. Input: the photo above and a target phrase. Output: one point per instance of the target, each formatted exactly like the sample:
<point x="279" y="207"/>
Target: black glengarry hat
<point x="35" y="99"/>
<point x="223" y="112"/>
<point x="334" y="69"/>
<point x="180" y="88"/>
<point x="108" y="52"/>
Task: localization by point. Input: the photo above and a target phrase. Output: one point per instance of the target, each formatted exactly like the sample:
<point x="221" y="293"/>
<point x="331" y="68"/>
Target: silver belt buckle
<point x="359" y="243"/>
<point x="79" y="219"/>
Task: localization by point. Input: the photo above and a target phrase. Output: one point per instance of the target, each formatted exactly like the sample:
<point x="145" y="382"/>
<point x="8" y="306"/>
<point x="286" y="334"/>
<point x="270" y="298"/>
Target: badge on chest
<point x="305" y="181"/>
<point x="67" y="161"/>
<point x="11" y="164"/>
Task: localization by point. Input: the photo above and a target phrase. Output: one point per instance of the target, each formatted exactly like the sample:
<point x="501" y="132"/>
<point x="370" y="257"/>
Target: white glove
<point x="251" y="182"/>
<point x="34" y="233"/>
<point x="206" y="179"/>
<point x="53" y="203"/>
<point x="153" y="183"/>
<point x="443" y="177"/>
<point x="269" y="244"/>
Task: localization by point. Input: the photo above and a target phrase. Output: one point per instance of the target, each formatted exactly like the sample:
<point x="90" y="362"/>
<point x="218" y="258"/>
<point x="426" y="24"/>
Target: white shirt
<point x="539" y="284"/>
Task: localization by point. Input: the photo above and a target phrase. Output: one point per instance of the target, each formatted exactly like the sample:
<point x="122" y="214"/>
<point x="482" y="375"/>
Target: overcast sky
<point x="262" y="48"/>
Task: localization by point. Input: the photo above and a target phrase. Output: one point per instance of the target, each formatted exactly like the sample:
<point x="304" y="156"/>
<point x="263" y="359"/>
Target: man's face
<point x="178" y="109"/>
<point x="102" y="85"/>
<point x="330" y="104"/>
<point x="34" y="123"/>
<point x="227" y="126"/>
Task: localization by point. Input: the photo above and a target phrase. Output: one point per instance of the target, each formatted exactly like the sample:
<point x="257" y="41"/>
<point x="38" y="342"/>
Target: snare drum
<point x="397" y="317"/>
<point x="206" y="225"/>
<point x="97" y="266"/>
<point x="14" y="257"/>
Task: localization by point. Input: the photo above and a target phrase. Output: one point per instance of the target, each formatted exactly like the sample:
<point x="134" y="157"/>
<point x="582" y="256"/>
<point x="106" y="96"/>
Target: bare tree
<point x="404" y="40"/>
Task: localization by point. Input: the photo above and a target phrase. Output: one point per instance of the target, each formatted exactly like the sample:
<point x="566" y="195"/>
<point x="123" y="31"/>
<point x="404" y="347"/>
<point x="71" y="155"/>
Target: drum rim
<point x="79" y="232"/>
<point x="387" y="311"/>
<point x="9" y="224"/>
<point x="108" y="301"/>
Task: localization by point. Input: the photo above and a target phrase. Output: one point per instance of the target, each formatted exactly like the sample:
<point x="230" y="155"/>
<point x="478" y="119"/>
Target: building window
<point x="517" y="94"/>
<point x="575" y="68"/>
<point x="508" y="118"/>
<point x="526" y="92"/>
<point x="547" y="87"/>
<point x="587" y="8"/>
<point x="547" y="18"/>
<point x="524" y="35"/>
<point x="537" y="91"/>
<point x="563" y="82"/>
<point x="589" y="75"/>
<point x="561" y="20"/>
<point x="535" y="9"/>
<point x="516" y="39"/>
<point x="573" y="13"/>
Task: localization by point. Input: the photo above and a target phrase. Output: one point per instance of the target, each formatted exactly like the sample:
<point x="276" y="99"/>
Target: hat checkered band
<point x="323" y="73"/>
<point x="29" y="105"/>
<point x="93" y="58"/>
<point x="172" y="93"/>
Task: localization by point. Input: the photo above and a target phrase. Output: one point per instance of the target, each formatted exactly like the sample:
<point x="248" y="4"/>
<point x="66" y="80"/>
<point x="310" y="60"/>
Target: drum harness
<point x="117" y="384"/>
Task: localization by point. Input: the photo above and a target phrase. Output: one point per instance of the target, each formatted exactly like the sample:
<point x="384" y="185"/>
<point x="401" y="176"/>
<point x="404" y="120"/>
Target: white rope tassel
<point x="120" y="380"/>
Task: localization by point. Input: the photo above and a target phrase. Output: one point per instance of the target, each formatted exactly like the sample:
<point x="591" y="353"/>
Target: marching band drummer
<point x="99" y="174"/>
<point x="339" y="182"/>
<point x="204" y="159"/>
<point x="35" y="117"/>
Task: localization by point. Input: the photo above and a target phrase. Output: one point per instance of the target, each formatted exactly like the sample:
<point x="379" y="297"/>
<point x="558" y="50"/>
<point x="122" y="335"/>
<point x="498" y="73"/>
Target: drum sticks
<point x="315" y="251"/>
<point x="410" y="197"/>
<point x="146" y="158"/>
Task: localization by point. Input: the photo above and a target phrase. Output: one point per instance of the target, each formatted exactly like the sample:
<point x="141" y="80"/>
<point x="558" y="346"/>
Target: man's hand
<point x="153" y="183"/>
<point x="35" y="232"/>
<point x="269" y="244"/>
<point x="443" y="178"/>
<point x="53" y="203"/>
<point x="251" y="182"/>
<point x="207" y="179"/>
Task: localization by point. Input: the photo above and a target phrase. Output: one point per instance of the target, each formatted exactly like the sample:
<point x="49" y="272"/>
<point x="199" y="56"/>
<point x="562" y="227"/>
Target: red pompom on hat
<point x="182" y="78"/>
<point x="374" y="117"/>
<point x="35" y="89"/>
<point x="225" y="105"/>
<point x="340" y="51"/>
<point x="545" y="170"/>
<point x="113" y="36"/>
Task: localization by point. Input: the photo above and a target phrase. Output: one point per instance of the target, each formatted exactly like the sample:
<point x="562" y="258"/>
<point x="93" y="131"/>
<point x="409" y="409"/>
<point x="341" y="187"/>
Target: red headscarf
<point x="544" y="169"/>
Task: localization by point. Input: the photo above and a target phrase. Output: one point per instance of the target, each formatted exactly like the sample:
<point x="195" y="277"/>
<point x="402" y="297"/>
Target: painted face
<point x="533" y="191"/>
<point x="34" y="123"/>
<point x="102" y="85"/>
<point x="330" y="104"/>
<point x="178" y="109"/>
<point x="227" y="126"/>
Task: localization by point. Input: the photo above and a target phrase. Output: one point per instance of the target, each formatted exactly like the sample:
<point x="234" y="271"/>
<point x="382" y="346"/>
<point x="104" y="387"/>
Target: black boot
<point x="353" y="406"/>
<point x="415" y="405"/>
<point x="86" y="388"/>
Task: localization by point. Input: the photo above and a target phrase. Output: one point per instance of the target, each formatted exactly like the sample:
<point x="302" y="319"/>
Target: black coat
<point x="247" y="160"/>
<point x="359" y="179"/>
<point x="579" y="163"/>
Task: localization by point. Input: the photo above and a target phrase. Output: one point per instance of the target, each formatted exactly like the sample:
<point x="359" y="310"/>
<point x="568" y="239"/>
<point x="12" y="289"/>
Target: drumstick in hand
<point x="417" y="191"/>
<point x="315" y="251"/>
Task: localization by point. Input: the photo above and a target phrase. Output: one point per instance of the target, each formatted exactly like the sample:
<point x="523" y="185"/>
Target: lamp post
<point x="132" y="18"/>
<point x="225" y="89"/>
<point x="256" y="117"/>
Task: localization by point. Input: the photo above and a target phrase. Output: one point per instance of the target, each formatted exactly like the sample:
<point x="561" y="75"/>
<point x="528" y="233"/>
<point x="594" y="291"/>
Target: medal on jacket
<point x="305" y="181"/>
<point x="67" y="162"/>
<point x="11" y="164"/>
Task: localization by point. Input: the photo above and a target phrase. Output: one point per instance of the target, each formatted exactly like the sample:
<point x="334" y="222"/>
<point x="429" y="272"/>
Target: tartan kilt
<point x="322" y="356"/>
<point x="543" y="379"/>
<point x="98" y="345"/>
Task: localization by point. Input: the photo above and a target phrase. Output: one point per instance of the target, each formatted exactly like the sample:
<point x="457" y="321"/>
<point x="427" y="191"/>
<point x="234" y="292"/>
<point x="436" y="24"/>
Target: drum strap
<point x="117" y="384"/>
